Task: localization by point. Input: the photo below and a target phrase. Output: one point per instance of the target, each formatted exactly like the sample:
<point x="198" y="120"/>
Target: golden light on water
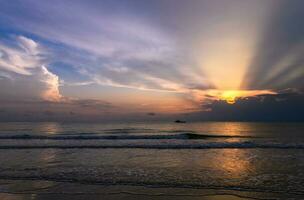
<point x="234" y="163"/>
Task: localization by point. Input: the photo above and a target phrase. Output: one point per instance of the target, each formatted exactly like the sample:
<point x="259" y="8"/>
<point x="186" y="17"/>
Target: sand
<point x="49" y="190"/>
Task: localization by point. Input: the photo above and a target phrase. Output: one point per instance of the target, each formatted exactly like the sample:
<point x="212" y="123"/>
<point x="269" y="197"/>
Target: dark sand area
<point x="50" y="190"/>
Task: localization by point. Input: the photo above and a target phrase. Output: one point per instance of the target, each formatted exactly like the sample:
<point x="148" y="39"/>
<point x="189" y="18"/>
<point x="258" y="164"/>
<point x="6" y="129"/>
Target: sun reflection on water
<point x="234" y="163"/>
<point x="50" y="128"/>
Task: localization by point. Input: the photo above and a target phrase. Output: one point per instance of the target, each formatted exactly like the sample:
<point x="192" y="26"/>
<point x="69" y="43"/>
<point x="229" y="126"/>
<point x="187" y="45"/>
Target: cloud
<point x="51" y="83"/>
<point x="70" y="110"/>
<point x="20" y="59"/>
<point x="29" y="46"/>
<point x="119" y="48"/>
<point x="159" y="55"/>
<point x="287" y="105"/>
<point x="23" y="74"/>
<point x="64" y="110"/>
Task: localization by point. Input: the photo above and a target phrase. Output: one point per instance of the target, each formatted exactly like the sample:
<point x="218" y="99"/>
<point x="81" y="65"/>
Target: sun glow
<point x="231" y="96"/>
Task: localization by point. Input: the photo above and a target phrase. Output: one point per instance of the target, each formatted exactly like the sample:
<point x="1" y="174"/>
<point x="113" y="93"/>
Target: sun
<point x="230" y="96"/>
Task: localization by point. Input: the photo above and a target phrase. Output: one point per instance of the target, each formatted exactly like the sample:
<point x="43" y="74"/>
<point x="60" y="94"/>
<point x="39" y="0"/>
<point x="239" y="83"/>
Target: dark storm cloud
<point x="284" y="106"/>
<point x="278" y="62"/>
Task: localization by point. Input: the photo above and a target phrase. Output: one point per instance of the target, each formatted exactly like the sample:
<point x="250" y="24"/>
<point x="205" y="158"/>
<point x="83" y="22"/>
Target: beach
<point x="151" y="99"/>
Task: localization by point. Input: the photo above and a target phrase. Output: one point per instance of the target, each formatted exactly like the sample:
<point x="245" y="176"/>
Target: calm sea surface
<point x="254" y="157"/>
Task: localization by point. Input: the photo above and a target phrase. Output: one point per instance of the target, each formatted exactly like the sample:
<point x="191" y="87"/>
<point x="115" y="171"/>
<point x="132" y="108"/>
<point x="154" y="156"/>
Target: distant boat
<point x="179" y="121"/>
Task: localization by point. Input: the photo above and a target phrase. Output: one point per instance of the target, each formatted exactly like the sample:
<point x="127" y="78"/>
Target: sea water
<point x="231" y="156"/>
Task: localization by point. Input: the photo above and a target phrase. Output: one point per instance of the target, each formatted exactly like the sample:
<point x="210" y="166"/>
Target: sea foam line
<point x="118" y="137"/>
<point x="210" y="145"/>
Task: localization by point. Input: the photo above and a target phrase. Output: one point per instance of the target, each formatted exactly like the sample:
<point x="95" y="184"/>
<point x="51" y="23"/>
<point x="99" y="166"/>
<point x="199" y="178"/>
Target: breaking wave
<point x="119" y="137"/>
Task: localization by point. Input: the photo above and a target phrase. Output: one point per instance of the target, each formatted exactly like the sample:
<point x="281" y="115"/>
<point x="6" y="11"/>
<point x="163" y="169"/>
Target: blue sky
<point x="164" y="56"/>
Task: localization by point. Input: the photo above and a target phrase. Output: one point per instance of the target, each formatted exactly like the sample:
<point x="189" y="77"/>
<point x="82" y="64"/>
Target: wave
<point x="208" y="145"/>
<point x="130" y="130"/>
<point x="192" y="136"/>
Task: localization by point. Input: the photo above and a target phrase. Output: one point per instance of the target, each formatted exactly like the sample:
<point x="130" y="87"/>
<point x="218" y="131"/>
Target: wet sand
<point x="50" y="190"/>
<point x="106" y="197"/>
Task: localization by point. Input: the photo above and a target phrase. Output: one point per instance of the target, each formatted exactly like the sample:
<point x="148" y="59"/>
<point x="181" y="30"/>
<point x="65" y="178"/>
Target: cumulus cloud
<point x="23" y="74"/>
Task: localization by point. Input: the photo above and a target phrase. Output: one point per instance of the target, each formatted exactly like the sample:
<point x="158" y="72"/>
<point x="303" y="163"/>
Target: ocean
<point x="246" y="160"/>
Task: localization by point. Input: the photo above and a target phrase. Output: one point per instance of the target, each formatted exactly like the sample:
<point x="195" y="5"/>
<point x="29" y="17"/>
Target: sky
<point x="95" y="60"/>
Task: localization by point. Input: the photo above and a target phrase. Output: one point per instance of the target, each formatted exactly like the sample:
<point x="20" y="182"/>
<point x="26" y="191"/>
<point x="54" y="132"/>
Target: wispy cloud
<point x="122" y="49"/>
<point x="23" y="73"/>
